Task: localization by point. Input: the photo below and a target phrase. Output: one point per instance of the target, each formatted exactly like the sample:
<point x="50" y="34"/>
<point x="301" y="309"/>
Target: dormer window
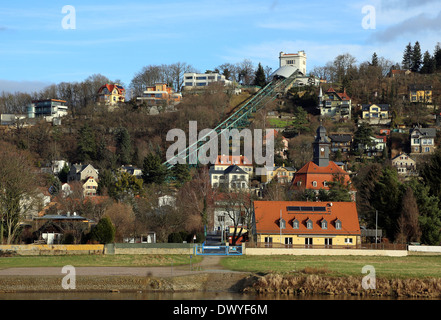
<point x="324" y="224"/>
<point x="295" y="224"/>
<point x="337" y="224"/>
<point x="282" y="224"/>
<point x="314" y="183"/>
<point x="309" y="224"/>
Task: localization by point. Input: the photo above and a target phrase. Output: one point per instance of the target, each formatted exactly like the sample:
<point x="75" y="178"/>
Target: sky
<point x="42" y="44"/>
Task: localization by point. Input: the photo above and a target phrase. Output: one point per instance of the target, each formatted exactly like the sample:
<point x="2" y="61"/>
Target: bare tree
<point x="17" y="185"/>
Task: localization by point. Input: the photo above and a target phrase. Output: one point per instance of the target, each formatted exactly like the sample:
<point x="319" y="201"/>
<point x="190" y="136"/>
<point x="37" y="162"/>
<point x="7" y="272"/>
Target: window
<point x="309" y="224"/>
<point x="348" y="241"/>
<point x="282" y="224"/>
<point x="338" y="224"/>
<point x="324" y="224"/>
<point x="288" y="241"/>
<point x="328" y="241"/>
<point x="314" y="183"/>
<point x="295" y="224"/>
<point x="268" y="241"/>
<point x="426" y="149"/>
<point x="308" y="241"/>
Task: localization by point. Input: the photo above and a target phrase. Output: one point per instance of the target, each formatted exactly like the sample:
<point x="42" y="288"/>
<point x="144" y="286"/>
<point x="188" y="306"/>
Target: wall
<point x="149" y="248"/>
<point x="430" y="249"/>
<point x="326" y="252"/>
<point x="57" y="249"/>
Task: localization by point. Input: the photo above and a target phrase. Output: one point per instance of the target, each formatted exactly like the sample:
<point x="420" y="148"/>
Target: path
<point x="210" y="264"/>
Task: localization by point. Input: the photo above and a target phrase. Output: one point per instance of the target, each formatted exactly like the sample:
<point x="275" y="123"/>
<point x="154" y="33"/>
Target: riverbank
<point x="282" y="285"/>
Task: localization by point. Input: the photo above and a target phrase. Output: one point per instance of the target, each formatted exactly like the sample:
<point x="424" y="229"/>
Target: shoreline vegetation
<point x="396" y="277"/>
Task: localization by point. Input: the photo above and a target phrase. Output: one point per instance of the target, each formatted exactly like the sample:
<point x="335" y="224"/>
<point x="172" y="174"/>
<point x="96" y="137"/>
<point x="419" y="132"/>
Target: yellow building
<point x="111" y="94"/>
<point x="420" y="93"/>
<point x="306" y="224"/>
<point x="283" y="174"/>
<point x="375" y="111"/>
<point x="90" y="186"/>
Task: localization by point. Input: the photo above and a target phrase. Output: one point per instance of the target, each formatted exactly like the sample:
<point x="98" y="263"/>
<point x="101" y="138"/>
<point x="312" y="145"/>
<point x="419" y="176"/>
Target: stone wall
<point x="56" y="249"/>
<point x="326" y="252"/>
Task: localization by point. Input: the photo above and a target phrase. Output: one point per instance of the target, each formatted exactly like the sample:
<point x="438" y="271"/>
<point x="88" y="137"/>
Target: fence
<point x="218" y="250"/>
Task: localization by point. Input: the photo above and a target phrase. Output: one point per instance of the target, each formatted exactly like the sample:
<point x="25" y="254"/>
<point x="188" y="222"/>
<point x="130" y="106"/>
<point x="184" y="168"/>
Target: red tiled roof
<point x="110" y="87"/>
<point x="237" y="160"/>
<point x="268" y="213"/>
<point x="311" y="172"/>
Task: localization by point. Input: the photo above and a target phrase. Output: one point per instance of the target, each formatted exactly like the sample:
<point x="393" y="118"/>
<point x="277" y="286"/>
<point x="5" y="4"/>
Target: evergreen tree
<point x="437" y="56"/>
<point x="386" y="198"/>
<point x="153" y="171"/>
<point x="123" y="146"/>
<point x="430" y="213"/>
<point x="429" y="173"/>
<point x="259" y="77"/>
<point x="374" y="61"/>
<point x="62" y="175"/>
<point x="181" y="172"/>
<point x="86" y="147"/>
<point x="428" y="64"/>
<point x="407" y="57"/>
<point x="416" y="57"/>
<point x="104" y="231"/>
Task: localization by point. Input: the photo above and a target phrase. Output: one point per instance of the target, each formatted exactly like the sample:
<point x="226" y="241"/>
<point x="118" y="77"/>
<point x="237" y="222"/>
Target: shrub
<point x="104" y="231"/>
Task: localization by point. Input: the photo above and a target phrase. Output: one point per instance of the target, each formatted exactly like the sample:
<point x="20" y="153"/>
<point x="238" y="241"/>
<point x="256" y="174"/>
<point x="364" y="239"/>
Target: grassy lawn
<point x="152" y="260"/>
<point x="387" y="267"/>
<point x="279" y="123"/>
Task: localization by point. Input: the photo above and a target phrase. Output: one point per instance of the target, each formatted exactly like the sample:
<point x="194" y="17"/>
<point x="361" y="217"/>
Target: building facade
<point x="281" y="174"/>
<point x="199" y="80"/>
<point x="297" y="60"/>
<point x="316" y="174"/>
<point x="231" y="178"/>
<point x="305" y="224"/>
<point x="111" y="94"/>
<point x="47" y="108"/>
<point x="420" y="93"/>
<point x="405" y="165"/>
<point x="422" y="140"/>
<point x="334" y="104"/>
<point x="374" y="112"/>
<point x="160" y="93"/>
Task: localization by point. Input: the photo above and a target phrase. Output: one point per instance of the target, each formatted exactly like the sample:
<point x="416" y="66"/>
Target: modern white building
<point x="204" y="79"/>
<point x="47" y="108"/>
<point x="297" y="60"/>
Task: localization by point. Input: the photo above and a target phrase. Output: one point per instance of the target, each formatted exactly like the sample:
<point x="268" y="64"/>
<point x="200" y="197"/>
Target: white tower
<point x="297" y="60"/>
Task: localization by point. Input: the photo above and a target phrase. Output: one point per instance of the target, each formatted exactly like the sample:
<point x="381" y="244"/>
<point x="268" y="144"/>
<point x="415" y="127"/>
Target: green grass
<point x="279" y="123"/>
<point x="152" y="260"/>
<point x="387" y="267"/>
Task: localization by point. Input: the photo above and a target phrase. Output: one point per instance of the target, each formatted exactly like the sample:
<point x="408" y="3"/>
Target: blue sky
<point x="118" y="38"/>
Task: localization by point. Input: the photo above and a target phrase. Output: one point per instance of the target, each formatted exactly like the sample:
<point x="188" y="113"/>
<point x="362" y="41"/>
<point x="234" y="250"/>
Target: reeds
<point x="309" y="283"/>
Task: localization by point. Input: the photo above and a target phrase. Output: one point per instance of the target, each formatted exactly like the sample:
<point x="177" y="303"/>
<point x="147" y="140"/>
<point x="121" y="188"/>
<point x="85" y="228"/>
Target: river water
<point x="174" y="296"/>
